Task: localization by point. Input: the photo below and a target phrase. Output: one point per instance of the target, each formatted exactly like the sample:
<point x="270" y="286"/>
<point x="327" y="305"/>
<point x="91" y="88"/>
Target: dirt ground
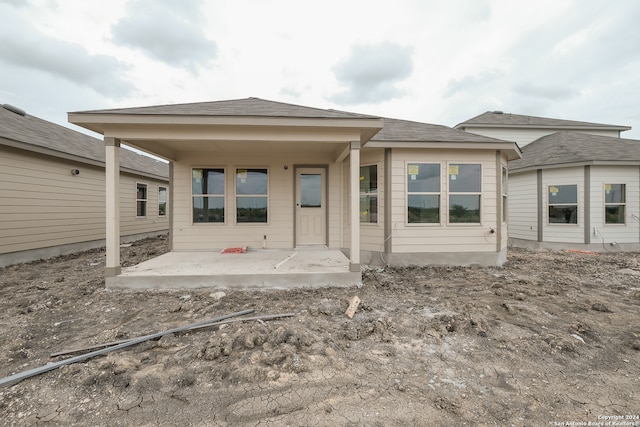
<point x="550" y="338"/>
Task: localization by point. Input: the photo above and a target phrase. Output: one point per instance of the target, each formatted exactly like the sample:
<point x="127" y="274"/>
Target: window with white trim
<point x="505" y="192"/>
<point x="423" y="193"/>
<point x="252" y="195"/>
<point x="207" y="194"/>
<point x="563" y="204"/>
<point x="369" y="194"/>
<point x="141" y="200"/>
<point x="162" y="201"/>
<point x="465" y="193"/>
<point x="614" y="203"/>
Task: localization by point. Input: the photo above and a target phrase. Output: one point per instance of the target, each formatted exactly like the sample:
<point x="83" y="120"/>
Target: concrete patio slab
<point x="258" y="268"/>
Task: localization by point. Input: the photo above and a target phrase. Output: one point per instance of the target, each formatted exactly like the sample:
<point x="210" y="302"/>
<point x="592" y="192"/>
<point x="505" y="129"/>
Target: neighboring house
<point x="577" y="185"/>
<point x="273" y="175"/>
<point x="526" y="129"/>
<point x="52" y="190"/>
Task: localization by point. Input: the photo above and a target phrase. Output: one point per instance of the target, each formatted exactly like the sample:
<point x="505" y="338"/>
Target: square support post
<point x="112" y="193"/>
<point x="354" y="181"/>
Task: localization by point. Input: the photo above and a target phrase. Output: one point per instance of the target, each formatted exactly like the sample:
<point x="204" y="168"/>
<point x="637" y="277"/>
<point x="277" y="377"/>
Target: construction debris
<point x="354" y="302"/>
<point x="16" y="378"/>
<point x="259" y="319"/>
<point x="234" y="250"/>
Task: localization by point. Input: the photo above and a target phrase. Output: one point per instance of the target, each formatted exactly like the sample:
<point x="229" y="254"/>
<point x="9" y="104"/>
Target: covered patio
<point x="257" y="268"/>
<point x="239" y="171"/>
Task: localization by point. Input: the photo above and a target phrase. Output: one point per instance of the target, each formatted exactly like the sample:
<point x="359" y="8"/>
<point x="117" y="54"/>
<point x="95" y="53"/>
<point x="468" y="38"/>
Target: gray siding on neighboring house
<point x="523" y="206"/>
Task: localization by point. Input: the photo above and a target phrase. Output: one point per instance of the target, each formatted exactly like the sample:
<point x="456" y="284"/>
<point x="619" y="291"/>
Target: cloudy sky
<point x="434" y="61"/>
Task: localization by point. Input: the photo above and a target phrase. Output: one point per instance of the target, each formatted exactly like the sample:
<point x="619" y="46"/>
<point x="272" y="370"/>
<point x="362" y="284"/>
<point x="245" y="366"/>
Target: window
<point x="251" y="195"/>
<point x="563" y="204"/>
<point x="369" y="194"/>
<point x="465" y="188"/>
<point x="505" y="192"/>
<point x="614" y="203"/>
<point x="423" y="193"/>
<point x="207" y="190"/>
<point x="162" y="201"/>
<point x="141" y="200"/>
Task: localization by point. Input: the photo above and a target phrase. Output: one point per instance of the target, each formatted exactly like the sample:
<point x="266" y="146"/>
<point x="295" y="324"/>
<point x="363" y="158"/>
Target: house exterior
<point x="576" y="186"/>
<point x="52" y="190"/>
<point x="271" y="175"/>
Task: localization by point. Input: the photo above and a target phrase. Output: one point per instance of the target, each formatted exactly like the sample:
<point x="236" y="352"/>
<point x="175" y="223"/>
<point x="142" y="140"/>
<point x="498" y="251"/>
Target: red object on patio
<point x="235" y="250"/>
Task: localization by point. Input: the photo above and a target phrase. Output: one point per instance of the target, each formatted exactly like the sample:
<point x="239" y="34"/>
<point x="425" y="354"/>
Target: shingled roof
<point x="500" y="119"/>
<point x="566" y="148"/>
<point x="409" y="131"/>
<point x="28" y="132"/>
<point x="247" y="107"/>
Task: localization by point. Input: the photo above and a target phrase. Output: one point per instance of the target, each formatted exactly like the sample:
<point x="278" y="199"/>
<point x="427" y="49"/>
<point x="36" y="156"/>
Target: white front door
<point x="311" y="207"/>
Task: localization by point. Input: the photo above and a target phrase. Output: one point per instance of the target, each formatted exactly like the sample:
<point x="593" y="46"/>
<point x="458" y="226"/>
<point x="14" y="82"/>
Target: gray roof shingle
<point x="247" y="107"/>
<point x="405" y="130"/>
<point x="499" y="118"/>
<point x="565" y="147"/>
<point x="30" y="130"/>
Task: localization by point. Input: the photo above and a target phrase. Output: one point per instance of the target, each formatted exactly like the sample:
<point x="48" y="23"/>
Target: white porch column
<point x="112" y="179"/>
<point x="354" y="181"/>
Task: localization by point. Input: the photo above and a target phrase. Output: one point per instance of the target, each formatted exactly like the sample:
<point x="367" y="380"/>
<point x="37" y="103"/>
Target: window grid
<point x="615" y="204"/>
<point x="369" y="194"/>
<point x="208" y="195"/>
<point x="424" y="191"/>
<point x="562" y="204"/>
<point x="252" y="195"/>
<point x="465" y="193"/>
<point x="505" y="192"/>
<point x="162" y="201"/>
<point x="141" y="200"/>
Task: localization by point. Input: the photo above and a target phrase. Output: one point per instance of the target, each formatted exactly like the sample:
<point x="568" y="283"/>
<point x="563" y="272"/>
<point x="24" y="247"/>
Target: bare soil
<point x="550" y="338"/>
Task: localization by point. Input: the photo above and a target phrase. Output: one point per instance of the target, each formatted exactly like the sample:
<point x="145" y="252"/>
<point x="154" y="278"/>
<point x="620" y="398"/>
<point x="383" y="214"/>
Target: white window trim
<point x="449" y="194"/>
<point x="505" y="192"/>
<point x="235" y="191"/>
<point x="223" y="196"/>
<point x="145" y="200"/>
<point x="407" y="193"/>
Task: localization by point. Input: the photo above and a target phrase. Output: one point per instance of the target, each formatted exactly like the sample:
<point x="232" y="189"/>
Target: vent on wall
<point x="13" y="109"/>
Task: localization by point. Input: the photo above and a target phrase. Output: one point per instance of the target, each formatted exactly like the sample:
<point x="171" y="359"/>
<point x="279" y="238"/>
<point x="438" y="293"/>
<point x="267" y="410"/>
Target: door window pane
<point x="311" y="190"/>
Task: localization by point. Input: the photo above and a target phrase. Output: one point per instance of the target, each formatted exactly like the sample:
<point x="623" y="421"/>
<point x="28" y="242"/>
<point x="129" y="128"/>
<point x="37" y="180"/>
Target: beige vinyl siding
<point x="280" y="211"/>
<point x="44" y="205"/>
<point x="609" y="233"/>
<point x="525" y="136"/>
<point x="523" y="206"/>
<point x="568" y="233"/>
<point x="129" y="222"/>
<point x="407" y="238"/>
<point x="372" y="234"/>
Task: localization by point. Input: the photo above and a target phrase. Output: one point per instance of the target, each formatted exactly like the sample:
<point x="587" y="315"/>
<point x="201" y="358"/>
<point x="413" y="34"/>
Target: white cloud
<point x="371" y="73"/>
<point x="168" y="31"/>
<point x="437" y="61"/>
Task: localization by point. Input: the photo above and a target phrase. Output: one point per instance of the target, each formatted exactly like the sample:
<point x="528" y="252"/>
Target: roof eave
<point x="556" y="127"/>
<point x="511" y="148"/>
<point x="577" y="164"/>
